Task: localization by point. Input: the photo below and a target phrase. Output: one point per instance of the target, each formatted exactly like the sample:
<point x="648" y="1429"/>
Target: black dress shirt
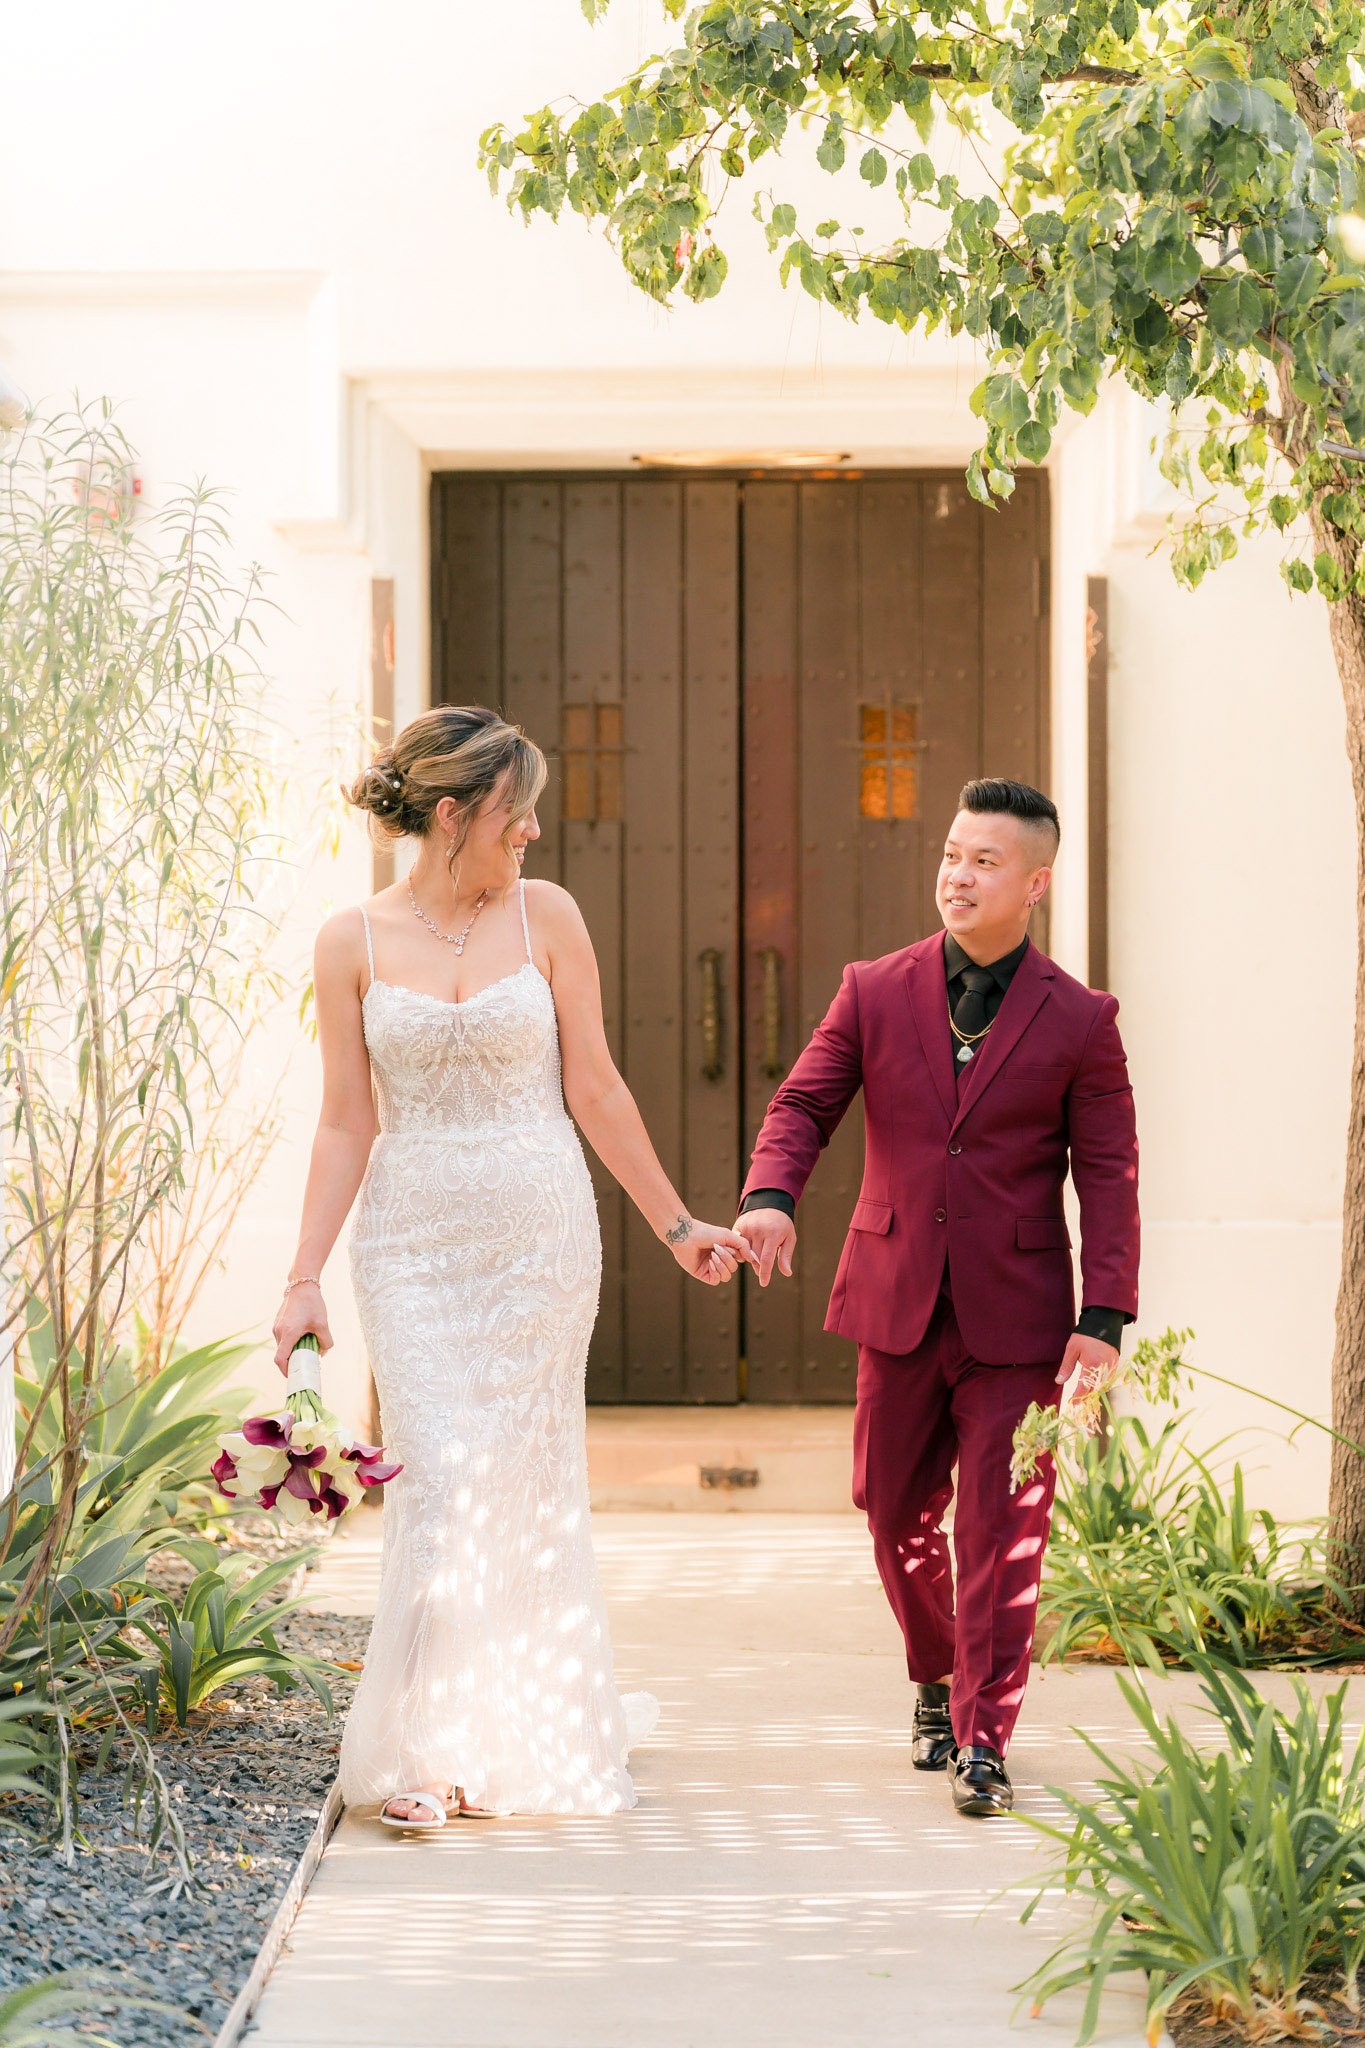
<point x="1104" y="1323"/>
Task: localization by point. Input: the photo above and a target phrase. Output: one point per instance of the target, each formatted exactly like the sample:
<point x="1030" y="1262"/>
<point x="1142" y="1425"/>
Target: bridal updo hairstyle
<point x="462" y="751"/>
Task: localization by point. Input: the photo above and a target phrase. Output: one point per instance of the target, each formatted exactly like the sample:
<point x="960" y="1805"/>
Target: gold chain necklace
<point x="965" y="1044"/>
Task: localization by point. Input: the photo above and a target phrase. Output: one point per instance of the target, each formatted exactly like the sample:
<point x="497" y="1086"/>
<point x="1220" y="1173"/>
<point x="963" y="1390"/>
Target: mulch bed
<point x="1190" y="2027"/>
<point x="250" y="1774"/>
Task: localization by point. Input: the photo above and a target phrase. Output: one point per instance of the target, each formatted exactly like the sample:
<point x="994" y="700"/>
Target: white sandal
<point x="437" y="1807"/>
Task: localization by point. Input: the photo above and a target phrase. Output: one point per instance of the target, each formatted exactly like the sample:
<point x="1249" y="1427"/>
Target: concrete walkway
<point x="786" y="1878"/>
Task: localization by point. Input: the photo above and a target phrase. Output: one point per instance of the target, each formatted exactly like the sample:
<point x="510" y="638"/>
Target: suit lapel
<point x="1023" y="999"/>
<point x="928" y="993"/>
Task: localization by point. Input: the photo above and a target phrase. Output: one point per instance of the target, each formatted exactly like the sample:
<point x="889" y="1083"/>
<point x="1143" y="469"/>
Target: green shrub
<point x="1237" y="1868"/>
<point x="1154" y="1560"/>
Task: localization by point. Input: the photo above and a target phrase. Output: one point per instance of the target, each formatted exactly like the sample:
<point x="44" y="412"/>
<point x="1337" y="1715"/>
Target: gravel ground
<point x="250" y="1775"/>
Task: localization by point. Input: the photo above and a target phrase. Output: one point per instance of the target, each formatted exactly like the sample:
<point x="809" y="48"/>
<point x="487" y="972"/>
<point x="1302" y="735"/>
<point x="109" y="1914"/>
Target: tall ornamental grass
<point x="134" y="806"/>
<point x="139" y="792"/>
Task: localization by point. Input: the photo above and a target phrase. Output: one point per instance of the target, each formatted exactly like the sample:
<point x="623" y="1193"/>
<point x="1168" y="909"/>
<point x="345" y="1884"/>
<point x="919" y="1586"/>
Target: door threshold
<point x="721" y="1460"/>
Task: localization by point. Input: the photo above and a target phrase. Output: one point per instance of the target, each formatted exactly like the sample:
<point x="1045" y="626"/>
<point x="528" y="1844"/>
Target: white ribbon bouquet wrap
<point x="300" y="1462"/>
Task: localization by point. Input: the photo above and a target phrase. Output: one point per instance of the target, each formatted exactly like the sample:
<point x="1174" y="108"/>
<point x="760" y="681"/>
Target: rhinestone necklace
<point x="455" y="939"/>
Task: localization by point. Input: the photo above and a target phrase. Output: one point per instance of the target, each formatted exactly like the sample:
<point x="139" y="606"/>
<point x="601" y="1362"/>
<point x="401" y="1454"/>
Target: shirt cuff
<point x="1104" y="1323"/>
<point x="769" y="1198"/>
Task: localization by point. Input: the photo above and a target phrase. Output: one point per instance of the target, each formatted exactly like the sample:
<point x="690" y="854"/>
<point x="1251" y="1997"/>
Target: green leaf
<point x="830" y="154"/>
<point x="1330" y="576"/>
<point x="920" y="170"/>
<point x="976" y="482"/>
<point x="1262" y="249"/>
<point x="1092" y="278"/>
<point x="1237" y="309"/>
<point x="873" y="167"/>
<point x="1034" y="441"/>
<point x="1297" y="282"/>
<point x="1080" y="383"/>
<point x="1170" y="269"/>
<point x="1214" y="60"/>
<point x="1005" y="402"/>
<point x="1297" y="574"/>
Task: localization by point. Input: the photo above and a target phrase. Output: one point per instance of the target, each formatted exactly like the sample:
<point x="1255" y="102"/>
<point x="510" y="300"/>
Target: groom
<point x="984" y="1068"/>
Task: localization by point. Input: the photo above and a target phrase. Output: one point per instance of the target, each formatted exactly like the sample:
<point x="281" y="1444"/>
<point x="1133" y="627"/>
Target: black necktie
<point x="969" y="1011"/>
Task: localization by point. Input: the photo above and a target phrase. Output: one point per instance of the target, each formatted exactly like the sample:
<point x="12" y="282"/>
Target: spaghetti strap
<point x="369" y="944"/>
<point x="526" y="929"/>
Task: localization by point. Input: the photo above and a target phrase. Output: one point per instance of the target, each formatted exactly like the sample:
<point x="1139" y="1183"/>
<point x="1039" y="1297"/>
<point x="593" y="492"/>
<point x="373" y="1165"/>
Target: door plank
<point x="712" y="1172"/>
<point x="830" y="660"/>
<point x="653" y="929"/>
<point x="592" y="845"/>
<point x="772" y="1314"/>
<point x="466" y="591"/>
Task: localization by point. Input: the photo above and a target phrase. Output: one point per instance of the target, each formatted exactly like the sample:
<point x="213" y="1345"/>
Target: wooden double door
<point x="760" y="696"/>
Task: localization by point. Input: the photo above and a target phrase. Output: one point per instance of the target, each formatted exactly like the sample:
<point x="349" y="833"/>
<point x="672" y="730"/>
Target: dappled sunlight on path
<point x="786" y="1876"/>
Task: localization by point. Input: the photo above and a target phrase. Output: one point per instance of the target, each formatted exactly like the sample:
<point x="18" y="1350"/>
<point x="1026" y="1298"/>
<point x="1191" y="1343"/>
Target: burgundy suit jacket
<point x="974" y="1180"/>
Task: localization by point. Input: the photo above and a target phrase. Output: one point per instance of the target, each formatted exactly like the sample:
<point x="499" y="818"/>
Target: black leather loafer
<point x="981" y="1784"/>
<point x="931" y="1731"/>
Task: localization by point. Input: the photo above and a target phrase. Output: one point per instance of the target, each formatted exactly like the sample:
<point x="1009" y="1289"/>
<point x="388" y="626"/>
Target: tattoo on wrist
<point x="681" y="1229"/>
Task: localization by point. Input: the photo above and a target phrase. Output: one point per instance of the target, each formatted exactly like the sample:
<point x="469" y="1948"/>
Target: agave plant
<point x="165" y="1425"/>
<point x="222" y="1628"/>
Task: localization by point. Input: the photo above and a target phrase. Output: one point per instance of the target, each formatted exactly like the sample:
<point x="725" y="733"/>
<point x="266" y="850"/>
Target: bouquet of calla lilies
<point x="299" y="1462"/>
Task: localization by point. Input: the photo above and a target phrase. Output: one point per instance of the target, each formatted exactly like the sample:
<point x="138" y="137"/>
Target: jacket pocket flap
<point x="871" y="1216"/>
<point x="1042" y="1234"/>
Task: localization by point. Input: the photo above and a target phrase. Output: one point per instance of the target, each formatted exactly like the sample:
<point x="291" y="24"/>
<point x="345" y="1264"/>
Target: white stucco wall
<point x="264" y="234"/>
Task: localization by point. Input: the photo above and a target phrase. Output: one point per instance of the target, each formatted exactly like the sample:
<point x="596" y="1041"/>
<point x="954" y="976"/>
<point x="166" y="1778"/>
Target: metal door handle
<point x="711" y="1064"/>
<point x="772" y="1010"/>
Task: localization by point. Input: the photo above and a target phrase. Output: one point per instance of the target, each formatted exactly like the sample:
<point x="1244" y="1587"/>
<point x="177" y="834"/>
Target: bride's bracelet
<point x="303" y="1280"/>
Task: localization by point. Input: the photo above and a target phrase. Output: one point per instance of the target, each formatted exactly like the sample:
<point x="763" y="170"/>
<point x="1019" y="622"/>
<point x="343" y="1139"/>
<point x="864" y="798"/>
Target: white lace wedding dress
<point x="476" y="1258"/>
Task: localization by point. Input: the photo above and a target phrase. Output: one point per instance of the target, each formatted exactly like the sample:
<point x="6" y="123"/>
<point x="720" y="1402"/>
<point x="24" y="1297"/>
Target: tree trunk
<point x="1294" y="435"/>
<point x="1347" y="1495"/>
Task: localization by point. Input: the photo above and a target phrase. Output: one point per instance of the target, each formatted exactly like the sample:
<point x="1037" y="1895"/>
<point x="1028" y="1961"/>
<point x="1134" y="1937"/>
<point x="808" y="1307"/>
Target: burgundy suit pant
<point x="918" y="1414"/>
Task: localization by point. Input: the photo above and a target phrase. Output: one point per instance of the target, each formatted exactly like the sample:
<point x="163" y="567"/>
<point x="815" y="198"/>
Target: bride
<point x="476" y="1258"/>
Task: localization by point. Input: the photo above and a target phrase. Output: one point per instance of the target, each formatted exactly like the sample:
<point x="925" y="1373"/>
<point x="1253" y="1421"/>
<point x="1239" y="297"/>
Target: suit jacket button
<point x="940" y="1215"/>
<point x="954" y="1149"/>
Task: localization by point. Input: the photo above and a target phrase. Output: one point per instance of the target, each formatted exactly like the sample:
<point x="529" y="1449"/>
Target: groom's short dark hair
<point x="996" y="793"/>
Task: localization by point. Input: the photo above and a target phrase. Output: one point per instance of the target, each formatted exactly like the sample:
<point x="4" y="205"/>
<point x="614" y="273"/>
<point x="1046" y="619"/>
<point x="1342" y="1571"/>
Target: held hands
<point x="1096" y="1361"/>
<point x="301" y="1310"/>
<point x="771" y="1234"/>
<point x="708" y="1251"/>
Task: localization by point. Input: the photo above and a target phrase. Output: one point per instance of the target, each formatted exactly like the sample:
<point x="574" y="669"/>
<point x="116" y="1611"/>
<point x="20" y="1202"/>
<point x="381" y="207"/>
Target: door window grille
<point x="890" y="748"/>
<point x="591" y="749"/>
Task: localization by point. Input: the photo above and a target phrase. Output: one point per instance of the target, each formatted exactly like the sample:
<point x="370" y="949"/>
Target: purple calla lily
<point x="300" y="1483"/>
<point x="224" y="1468"/>
<point x="268" y="1495"/>
<point x="309" y="1459"/>
<point x="376" y="1470"/>
<point x="274" y="1430"/>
